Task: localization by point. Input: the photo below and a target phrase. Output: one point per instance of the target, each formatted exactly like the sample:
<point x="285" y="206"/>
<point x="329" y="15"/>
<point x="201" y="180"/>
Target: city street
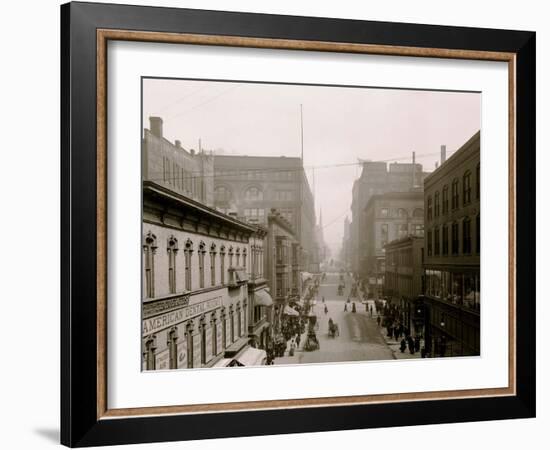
<point x="360" y="337"/>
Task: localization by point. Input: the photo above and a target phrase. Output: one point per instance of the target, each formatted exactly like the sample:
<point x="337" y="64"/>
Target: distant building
<point x="376" y="178"/>
<point x="186" y="172"/>
<point x="389" y="216"/>
<point x="452" y="249"/>
<point x="404" y="280"/>
<point x="249" y="186"/>
<point x="346" y="246"/>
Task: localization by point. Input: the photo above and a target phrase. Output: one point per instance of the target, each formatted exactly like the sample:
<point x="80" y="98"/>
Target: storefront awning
<point x="306" y="276"/>
<point x="290" y="311"/>
<point x="252" y="357"/>
<point x="262" y="298"/>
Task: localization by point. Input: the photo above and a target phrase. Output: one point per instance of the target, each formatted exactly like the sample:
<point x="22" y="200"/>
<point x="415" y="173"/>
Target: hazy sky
<point x="340" y="126"/>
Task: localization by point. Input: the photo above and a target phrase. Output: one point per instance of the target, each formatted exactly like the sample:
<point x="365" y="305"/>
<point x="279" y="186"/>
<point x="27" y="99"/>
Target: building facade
<point x="259" y="297"/>
<point x="404" y="280"/>
<point x="376" y="179"/>
<point x="282" y="263"/>
<point x="452" y="249"/>
<point x="186" y="172"/>
<point x="250" y="186"/>
<point x="389" y="216"/>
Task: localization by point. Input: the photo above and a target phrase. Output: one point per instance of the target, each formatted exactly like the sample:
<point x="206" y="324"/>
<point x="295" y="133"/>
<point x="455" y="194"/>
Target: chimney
<point x="177" y="143"/>
<point x="192" y="151"/>
<point x="443" y="154"/>
<point x="155" y="125"/>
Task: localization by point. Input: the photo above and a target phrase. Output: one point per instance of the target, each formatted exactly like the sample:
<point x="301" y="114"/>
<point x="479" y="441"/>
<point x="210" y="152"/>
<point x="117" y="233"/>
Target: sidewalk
<point x="395" y="347"/>
<point x="287" y="359"/>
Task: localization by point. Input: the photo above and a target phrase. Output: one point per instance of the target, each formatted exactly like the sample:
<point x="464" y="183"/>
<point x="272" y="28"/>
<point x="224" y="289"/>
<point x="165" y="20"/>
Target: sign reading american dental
<point x="157" y="323"/>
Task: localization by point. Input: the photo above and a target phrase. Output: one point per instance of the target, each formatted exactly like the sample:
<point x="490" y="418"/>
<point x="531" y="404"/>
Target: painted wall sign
<point x="157" y="323"/>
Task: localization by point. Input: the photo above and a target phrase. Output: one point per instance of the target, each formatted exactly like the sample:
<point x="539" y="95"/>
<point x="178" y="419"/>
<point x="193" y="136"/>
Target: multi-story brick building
<point x="186" y="172"/>
<point x="376" y="178"/>
<point x="452" y="249"/>
<point x="249" y="186"/>
<point x="404" y="280"/>
<point x="282" y="262"/>
<point x="196" y="265"/>
<point x="204" y="294"/>
<point x="389" y="216"/>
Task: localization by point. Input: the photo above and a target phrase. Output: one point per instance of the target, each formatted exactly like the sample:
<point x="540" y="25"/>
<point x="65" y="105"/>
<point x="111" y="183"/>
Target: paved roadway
<point x="360" y="337"/>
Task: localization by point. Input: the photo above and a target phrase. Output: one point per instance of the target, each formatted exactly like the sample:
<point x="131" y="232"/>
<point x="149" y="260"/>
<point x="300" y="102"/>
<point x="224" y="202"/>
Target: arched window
<point x="222" y="194"/>
<point x="238" y="257"/>
<point x="430" y="212"/>
<point x="454" y="194"/>
<point x="149" y="354"/>
<point x="418" y="212"/>
<point x="466" y="236"/>
<point x="214" y="327"/>
<point x="222" y="265"/>
<point x="213" y="264"/>
<point x="454" y="238"/>
<point x="402" y="213"/>
<point x="239" y="320"/>
<point x="189" y="334"/>
<point x="244" y="258"/>
<point x="223" y="316"/>
<point x="430" y="243"/>
<point x="173" y="347"/>
<point x="188" y="254"/>
<point x="466" y="188"/>
<point x="231" y="253"/>
<point x="253" y="193"/>
<point x="445" y="199"/>
<point x="232" y="324"/>
<point x="436" y="241"/>
<point x="203" y="340"/>
<point x="445" y="236"/>
<point x="172" y="250"/>
<point x="202" y="251"/>
<point x="149" y="249"/>
<point x="436" y="204"/>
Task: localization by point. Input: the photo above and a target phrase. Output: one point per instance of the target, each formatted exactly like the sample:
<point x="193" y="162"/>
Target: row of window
<point x="401" y="213"/>
<point x="438" y="206"/>
<point x="179" y="178"/>
<point x="458" y="288"/>
<point x="438" y="238"/>
<point x="256" y="174"/>
<point x="401" y="231"/>
<point x="224" y="194"/>
<point x="236" y="258"/>
<point x="212" y="338"/>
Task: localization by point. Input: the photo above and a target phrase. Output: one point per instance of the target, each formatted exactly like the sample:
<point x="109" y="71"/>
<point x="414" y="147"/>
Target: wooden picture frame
<point x="86" y="418"/>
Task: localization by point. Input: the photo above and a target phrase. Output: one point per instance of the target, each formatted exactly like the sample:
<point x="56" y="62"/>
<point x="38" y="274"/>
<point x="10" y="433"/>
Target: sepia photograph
<point x="288" y="224"/>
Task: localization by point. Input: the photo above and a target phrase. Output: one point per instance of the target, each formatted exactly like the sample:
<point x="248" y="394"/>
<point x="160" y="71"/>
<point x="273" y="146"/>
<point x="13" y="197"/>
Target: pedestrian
<point x="403" y="345"/>
<point x="292" y="348"/>
<point x="378" y="320"/>
<point x="298" y="339"/>
<point x="353" y="307"/>
<point x="345" y="307"/>
<point x="410" y="342"/>
<point x="417" y="343"/>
